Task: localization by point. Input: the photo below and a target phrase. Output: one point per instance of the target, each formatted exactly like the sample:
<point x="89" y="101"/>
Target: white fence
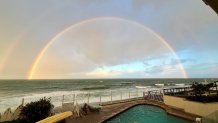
<point x="86" y="97"/>
<point x="106" y="96"/>
<point x="10" y="115"/>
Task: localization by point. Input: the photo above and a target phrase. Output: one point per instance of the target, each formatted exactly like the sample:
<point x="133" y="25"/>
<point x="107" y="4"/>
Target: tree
<point x="200" y="89"/>
<point x="216" y="86"/>
<point x="35" y="111"/>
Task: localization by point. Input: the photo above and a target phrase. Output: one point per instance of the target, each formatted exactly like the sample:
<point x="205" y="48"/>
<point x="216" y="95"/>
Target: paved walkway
<point x="109" y="111"/>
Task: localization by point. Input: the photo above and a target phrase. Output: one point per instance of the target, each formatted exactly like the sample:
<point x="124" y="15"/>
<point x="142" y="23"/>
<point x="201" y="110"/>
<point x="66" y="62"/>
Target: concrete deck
<point x="111" y="110"/>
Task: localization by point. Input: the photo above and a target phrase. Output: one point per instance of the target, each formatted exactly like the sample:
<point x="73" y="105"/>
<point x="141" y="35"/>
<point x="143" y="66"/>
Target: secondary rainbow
<point x="50" y="42"/>
<point x="17" y="39"/>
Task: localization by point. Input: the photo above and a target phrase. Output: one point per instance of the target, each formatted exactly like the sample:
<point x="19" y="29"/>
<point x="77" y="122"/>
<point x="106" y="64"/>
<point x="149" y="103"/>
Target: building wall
<point x="202" y="109"/>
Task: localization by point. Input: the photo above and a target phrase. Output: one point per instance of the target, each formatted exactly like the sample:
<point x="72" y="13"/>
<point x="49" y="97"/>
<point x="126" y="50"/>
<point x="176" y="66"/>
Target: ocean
<point x="82" y="90"/>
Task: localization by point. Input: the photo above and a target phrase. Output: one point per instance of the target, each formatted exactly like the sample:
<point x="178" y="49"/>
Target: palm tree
<point x="216" y="86"/>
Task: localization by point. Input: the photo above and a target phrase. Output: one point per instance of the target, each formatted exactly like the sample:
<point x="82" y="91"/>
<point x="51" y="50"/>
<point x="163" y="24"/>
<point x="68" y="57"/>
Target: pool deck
<point x="110" y="110"/>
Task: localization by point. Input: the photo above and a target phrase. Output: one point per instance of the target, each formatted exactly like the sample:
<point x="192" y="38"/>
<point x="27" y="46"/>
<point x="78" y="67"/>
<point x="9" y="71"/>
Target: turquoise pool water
<point x="146" y="114"/>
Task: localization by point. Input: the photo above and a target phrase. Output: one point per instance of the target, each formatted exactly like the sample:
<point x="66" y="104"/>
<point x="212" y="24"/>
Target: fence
<point x="156" y="95"/>
<point x="106" y="96"/>
<point x="10" y="115"/>
<point x="86" y="97"/>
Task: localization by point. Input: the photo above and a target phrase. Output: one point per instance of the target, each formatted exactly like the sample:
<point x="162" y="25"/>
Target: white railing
<point x="107" y="96"/>
<point x="100" y="97"/>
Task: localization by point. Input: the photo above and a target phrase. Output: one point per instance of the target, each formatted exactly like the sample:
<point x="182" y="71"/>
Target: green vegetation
<point x="204" y="92"/>
<point x="36" y="111"/>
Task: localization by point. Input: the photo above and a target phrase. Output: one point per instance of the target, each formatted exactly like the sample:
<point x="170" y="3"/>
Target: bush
<point x="35" y="111"/>
<point x="205" y="99"/>
<point x="202" y="93"/>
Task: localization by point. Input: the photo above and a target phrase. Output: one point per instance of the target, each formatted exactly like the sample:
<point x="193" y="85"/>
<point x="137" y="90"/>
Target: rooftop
<point x="213" y="4"/>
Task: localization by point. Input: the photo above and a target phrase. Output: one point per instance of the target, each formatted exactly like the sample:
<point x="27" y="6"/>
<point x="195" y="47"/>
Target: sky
<point x="71" y="39"/>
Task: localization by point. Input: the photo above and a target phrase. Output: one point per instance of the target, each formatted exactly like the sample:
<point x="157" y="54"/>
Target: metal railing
<point x="107" y="96"/>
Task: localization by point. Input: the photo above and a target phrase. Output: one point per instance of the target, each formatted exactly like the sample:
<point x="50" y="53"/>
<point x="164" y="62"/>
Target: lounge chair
<point x="94" y="107"/>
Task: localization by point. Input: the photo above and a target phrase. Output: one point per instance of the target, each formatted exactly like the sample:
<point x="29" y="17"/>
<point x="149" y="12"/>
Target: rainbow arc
<point x="53" y="39"/>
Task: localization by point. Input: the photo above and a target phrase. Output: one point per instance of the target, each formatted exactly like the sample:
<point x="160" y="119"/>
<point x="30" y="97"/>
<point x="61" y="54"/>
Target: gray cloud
<point x="100" y="44"/>
<point x="183" y="61"/>
<point x="104" y="44"/>
<point x="146" y="63"/>
<point x="154" y="69"/>
<point x="203" y="70"/>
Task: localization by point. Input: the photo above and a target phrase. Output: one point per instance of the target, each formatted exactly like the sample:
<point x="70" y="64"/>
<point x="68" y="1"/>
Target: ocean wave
<point x="181" y="84"/>
<point x="142" y="87"/>
<point x="81" y="96"/>
<point x="170" y="84"/>
<point x="126" y="82"/>
<point x="49" y="87"/>
<point x="56" y="98"/>
<point x="95" y="88"/>
<point x="159" y="84"/>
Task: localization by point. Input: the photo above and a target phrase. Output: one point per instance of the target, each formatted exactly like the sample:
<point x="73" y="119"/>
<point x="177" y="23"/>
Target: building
<point x="213" y="4"/>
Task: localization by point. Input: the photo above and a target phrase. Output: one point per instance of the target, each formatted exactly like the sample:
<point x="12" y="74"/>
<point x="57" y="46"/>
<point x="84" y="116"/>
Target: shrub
<point x="212" y="98"/>
<point x="35" y="111"/>
<point x="200" y="89"/>
<point x="202" y="93"/>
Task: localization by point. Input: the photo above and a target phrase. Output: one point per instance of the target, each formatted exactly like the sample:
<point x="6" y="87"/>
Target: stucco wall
<point x="202" y="109"/>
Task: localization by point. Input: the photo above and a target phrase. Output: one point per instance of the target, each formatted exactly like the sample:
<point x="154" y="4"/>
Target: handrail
<point x="56" y="118"/>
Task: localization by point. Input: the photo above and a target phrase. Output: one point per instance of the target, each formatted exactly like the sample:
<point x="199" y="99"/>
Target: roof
<point x="213" y="4"/>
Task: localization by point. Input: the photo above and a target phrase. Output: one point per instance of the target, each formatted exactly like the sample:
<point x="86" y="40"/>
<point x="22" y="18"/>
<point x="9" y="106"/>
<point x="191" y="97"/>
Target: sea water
<point x="81" y="90"/>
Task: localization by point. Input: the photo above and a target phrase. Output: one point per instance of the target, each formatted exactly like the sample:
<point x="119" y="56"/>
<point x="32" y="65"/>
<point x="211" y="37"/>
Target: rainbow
<point x="50" y="42"/>
<point x="17" y="39"/>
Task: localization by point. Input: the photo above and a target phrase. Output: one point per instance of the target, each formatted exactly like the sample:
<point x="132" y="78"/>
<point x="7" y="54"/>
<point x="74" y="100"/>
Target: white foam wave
<point x="80" y="97"/>
<point x="56" y="98"/>
<point x="181" y="84"/>
<point x="142" y="87"/>
<point x="159" y="84"/>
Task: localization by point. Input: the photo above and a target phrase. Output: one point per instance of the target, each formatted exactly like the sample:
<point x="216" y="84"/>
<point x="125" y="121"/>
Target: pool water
<point x="146" y="114"/>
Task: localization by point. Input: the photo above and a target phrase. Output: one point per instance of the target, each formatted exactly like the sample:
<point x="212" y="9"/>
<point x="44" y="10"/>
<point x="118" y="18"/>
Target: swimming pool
<point x="145" y="114"/>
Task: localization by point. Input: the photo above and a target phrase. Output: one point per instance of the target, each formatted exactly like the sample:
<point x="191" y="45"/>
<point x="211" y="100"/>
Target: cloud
<point x="146" y="63"/>
<point x="181" y="22"/>
<point x="203" y="70"/>
<point x="154" y="69"/>
<point x="183" y="61"/>
<point x="185" y="24"/>
<point x="100" y="43"/>
<point x="104" y="73"/>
